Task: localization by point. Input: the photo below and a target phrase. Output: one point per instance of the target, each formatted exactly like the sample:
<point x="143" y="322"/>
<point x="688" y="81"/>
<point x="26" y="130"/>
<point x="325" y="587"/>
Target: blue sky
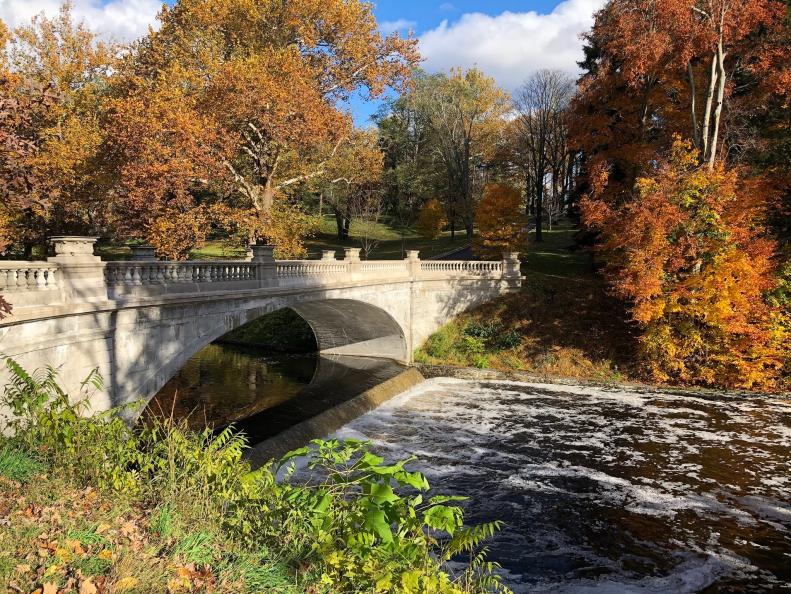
<point x="422" y="16"/>
<point x="508" y="39"/>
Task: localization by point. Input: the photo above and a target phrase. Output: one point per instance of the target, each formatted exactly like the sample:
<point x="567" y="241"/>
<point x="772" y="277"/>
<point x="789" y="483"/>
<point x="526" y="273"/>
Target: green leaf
<point x="382" y="494"/>
<point x="441" y="517"/>
<point x="375" y="522"/>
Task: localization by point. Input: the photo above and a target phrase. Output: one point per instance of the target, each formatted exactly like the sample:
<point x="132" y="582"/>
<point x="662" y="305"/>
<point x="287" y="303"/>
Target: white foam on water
<point x="702" y="472"/>
<point x="690" y="576"/>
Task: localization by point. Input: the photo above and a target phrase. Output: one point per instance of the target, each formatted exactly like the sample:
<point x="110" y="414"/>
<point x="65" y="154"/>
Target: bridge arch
<point x="341" y="327"/>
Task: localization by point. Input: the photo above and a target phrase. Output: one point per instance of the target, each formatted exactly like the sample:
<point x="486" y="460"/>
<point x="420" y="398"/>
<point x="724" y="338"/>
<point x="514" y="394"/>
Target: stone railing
<point x="154" y="273"/>
<point x="461" y="268"/>
<point x="76" y="275"/>
<point x="27" y="276"/>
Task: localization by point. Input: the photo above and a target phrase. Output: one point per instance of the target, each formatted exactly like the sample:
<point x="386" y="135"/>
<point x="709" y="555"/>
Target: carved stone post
<point x="81" y="272"/>
<point x="512" y="270"/>
<point x="413" y="263"/>
<point x="265" y="266"/>
<point x="352" y="257"/>
<point x="327" y="255"/>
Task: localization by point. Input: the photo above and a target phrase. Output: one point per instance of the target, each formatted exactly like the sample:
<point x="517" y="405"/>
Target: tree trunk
<point x="539" y="197"/>
<point x="718" y="109"/>
<point x="267" y="197"/>
<point x="339" y="224"/>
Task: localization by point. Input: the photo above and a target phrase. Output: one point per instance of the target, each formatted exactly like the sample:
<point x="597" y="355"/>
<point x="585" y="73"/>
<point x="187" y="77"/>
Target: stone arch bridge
<point x="138" y="322"/>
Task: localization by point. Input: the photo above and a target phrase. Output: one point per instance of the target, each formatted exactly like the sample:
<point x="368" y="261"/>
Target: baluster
<point x="134" y="276"/>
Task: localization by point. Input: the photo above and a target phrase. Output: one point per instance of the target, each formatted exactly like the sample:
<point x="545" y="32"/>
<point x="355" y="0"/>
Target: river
<point x="602" y="490"/>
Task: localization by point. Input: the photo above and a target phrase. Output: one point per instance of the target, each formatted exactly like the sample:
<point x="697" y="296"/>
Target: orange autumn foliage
<point x="689" y="255"/>
<point x="502" y="225"/>
<point x="53" y="78"/>
<point x="236" y="103"/>
<point x="431" y="219"/>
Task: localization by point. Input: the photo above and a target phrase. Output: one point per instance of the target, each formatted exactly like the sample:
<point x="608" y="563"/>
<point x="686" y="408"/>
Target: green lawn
<point x="389" y="244"/>
<point x="557" y="254"/>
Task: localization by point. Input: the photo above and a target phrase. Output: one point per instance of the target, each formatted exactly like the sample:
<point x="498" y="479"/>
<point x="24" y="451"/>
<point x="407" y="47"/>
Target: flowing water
<point x="606" y="490"/>
<point x="602" y="490"/>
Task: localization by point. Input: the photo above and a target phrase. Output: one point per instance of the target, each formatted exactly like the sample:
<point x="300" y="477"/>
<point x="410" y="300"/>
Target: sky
<point x="508" y="39"/>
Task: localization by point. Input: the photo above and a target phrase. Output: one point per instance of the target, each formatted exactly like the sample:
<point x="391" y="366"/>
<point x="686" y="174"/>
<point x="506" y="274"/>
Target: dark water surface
<point x="607" y="490"/>
<point x="261" y="393"/>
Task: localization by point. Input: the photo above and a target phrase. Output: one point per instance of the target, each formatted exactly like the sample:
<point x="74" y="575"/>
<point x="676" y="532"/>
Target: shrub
<point x="509" y="340"/>
<point x="483" y="330"/>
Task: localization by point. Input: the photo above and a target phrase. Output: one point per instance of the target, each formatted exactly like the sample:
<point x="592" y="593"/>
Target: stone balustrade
<point x="462" y="268"/>
<point x="155" y="273"/>
<point x="76" y="275"/>
<point x="27" y="276"/>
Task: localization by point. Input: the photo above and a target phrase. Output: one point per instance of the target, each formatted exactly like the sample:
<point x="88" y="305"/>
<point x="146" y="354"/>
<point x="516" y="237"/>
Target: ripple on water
<point x="607" y="490"/>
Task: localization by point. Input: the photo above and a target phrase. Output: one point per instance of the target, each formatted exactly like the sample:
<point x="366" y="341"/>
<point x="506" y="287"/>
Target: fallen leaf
<point x="87" y="587"/>
<point x="50" y="588"/>
<point x="23" y="568"/>
<point x="106" y="554"/>
<point x="76" y="546"/>
<point x="102" y="528"/>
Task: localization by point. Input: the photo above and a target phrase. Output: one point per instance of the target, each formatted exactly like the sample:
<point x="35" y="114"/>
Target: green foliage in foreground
<point x="362" y="526"/>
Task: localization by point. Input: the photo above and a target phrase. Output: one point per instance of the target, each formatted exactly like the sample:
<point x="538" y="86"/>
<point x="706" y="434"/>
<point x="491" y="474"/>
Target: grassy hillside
<point x="562" y="323"/>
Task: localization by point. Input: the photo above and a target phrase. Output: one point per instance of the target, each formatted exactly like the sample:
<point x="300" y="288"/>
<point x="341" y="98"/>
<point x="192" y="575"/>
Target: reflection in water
<point x="223" y="384"/>
<point x="264" y="394"/>
<point x="607" y="490"/>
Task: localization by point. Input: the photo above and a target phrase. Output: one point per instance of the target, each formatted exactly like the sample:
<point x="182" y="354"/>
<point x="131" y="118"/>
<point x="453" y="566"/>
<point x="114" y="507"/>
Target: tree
<point x="695" y="269"/>
<point x="431" y="220"/>
<point x="502" y="225"/>
<point x="465" y="112"/>
<point x="684" y="228"/>
<point x="349" y="182"/>
<point x="542" y="102"/>
<point x="238" y="101"/>
<point x="411" y="175"/>
<point x="366" y="208"/>
<point x="52" y="82"/>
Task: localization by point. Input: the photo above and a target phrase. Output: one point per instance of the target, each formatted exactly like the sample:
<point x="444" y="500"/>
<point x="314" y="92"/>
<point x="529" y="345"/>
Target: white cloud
<point x="401" y="26"/>
<point x="512" y="46"/>
<point x="118" y="20"/>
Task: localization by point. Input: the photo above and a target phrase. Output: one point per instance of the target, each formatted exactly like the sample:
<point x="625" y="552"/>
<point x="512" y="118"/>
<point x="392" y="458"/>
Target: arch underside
<point x="353" y="328"/>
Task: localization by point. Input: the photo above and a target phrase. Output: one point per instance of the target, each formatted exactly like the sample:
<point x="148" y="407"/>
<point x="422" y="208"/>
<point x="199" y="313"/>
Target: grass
<point x="391" y="242"/>
<point x="562" y="322"/>
<point x="17" y="465"/>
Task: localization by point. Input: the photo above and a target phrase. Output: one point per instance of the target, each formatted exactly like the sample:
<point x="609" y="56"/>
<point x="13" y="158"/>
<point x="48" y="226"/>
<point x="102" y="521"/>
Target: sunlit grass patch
<point x="18" y="465"/>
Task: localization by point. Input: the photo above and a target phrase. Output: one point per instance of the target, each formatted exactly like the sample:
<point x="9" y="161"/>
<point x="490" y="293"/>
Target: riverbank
<point x="562" y="323"/>
<point x="89" y="505"/>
